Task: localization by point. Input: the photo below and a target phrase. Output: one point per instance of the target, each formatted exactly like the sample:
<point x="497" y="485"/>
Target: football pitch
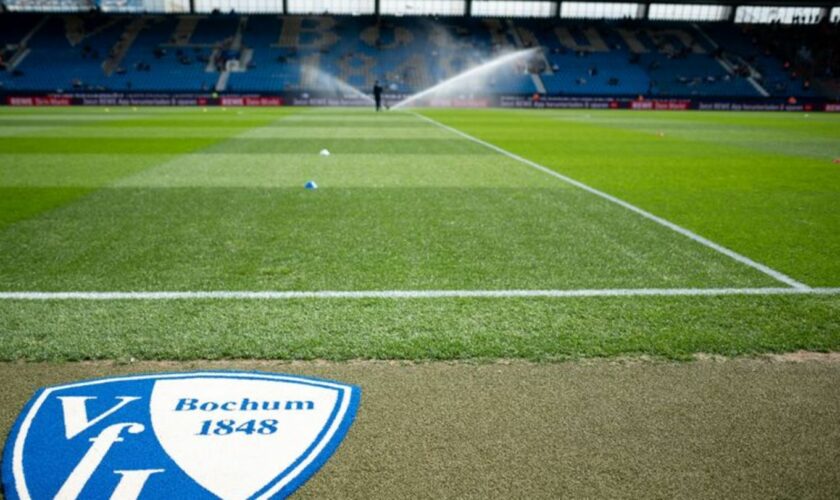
<point x="445" y="262"/>
<point x="433" y="235"/>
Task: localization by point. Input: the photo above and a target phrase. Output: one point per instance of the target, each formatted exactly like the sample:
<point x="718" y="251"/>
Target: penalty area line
<point x="743" y="259"/>
<point x="411" y="294"/>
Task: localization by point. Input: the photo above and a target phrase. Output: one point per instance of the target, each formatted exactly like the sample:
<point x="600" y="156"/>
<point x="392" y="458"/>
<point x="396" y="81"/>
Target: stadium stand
<point x="270" y="53"/>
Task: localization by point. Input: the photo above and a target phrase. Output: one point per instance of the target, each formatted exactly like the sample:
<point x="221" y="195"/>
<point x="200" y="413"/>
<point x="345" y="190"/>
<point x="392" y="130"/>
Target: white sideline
<point x="412" y="294"/>
<point x="778" y="276"/>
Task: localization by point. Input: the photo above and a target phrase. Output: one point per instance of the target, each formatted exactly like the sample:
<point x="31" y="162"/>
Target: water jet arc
<point x="334" y="83"/>
<point x="466" y="75"/>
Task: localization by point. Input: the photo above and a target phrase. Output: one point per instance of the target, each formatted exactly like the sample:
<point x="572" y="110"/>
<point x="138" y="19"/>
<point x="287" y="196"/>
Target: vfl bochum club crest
<point x="230" y="435"/>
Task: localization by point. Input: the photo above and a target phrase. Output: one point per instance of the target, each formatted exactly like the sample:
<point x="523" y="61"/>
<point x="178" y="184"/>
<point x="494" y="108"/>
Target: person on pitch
<point x="377" y="95"/>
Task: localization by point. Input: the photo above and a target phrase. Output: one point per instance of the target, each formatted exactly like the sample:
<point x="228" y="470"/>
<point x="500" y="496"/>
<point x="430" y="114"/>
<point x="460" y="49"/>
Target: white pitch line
<point x="778" y="276"/>
<point x="412" y="294"/>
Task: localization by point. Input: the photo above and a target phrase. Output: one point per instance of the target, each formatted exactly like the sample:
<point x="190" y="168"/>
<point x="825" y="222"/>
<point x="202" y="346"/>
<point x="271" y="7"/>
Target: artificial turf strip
<point x="721" y="429"/>
<point x="341" y="329"/>
<point x="762" y="184"/>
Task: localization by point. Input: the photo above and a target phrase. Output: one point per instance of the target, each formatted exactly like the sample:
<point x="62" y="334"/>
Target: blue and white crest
<point x="186" y="435"/>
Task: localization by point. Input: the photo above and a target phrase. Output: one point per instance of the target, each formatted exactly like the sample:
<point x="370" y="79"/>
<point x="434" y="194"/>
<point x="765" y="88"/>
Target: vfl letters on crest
<point x="193" y="435"/>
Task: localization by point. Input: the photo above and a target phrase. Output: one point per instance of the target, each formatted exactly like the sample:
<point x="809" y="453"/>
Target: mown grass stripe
<point x="777" y="275"/>
<point x="412" y="294"/>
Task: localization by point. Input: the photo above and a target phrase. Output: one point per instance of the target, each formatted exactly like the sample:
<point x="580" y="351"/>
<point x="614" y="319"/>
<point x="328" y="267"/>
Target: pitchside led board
<point x="230" y="435"/>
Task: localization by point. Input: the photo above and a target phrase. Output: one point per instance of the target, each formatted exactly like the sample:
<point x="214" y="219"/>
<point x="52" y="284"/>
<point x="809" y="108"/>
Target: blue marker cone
<point x="310" y="185"/>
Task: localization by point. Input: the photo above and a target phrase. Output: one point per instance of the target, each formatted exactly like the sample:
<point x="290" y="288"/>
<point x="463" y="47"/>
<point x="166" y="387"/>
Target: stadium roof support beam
<point x="734" y="3"/>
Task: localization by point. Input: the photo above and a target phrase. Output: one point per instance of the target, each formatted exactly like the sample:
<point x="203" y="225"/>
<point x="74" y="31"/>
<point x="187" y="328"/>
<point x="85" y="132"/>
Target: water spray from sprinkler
<point x="325" y="80"/>
<point x="472" y="75"/>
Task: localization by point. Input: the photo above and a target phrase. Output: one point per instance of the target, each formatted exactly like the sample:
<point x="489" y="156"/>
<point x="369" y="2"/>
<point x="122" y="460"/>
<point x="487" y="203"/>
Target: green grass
<point x="536" y="329"/>
<point x="762" y="184"/>
<point x="166" y="199"/>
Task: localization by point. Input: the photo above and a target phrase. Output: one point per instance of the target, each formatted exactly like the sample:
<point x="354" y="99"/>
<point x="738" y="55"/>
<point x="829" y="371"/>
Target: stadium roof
<point x="490" y="8"/>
